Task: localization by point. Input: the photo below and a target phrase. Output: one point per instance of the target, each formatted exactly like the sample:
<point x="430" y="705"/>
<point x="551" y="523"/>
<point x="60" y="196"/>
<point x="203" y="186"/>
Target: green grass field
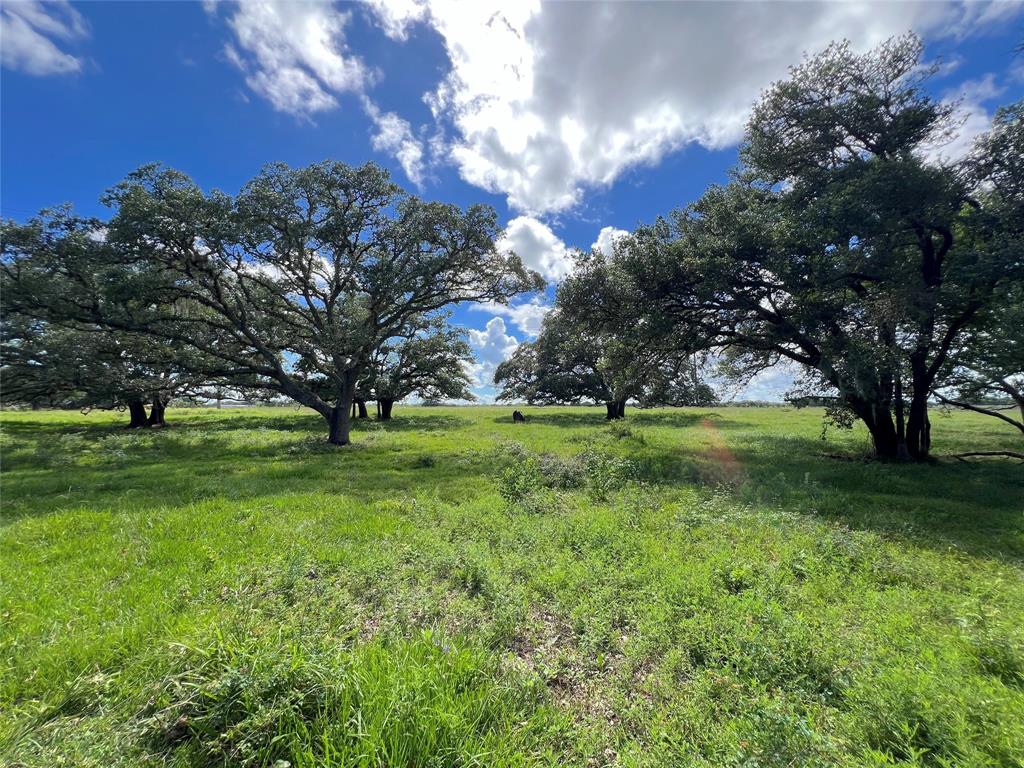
<point x="692" y="587"/>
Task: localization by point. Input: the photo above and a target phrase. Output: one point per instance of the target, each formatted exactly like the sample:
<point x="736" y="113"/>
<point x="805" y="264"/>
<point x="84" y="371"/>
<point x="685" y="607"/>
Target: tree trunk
<point x="902" y="452"/>
<point x="883" y="435"/>
<point x="339" y="420"/>
<point x="137" y="413"/>
<point x="156" y="413"/>
<point x="385" y="409"/>
<point x="616" y="409"/>
<point x="918" y="426"/>
<point x="362" y="409"/>
<point x="878" y="420"/>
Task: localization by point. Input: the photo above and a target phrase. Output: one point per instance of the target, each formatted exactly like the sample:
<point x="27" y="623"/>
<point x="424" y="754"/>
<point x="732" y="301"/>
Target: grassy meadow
<point x="690" y="587"/>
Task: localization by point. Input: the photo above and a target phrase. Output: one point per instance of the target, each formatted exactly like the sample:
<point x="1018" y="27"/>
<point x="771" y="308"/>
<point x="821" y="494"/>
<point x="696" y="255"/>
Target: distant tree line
<point x="842" y="243"/>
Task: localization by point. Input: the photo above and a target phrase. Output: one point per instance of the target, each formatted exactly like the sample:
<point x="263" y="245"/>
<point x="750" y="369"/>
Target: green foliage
<point x="430" y="363"/>
<point x="838" y="245"/>
<point x="290" y="286"/>
<point x="526" y="473"/>
<point x="577" y="358"/>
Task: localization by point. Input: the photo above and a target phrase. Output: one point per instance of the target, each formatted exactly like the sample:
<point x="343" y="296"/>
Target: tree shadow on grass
<point x="634" y="417"/>
<point x="168" y="476"/>
<point x="682" y="418"/>
<point x="204" y="454"/>
<point x="975" y="507"/>
<point x="559" y="419"/>
<point x="306" y="421"/>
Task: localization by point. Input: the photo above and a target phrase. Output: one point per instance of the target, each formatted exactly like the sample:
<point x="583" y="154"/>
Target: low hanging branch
<point x="979" y="409"/>
<point x="1009" y="454"/>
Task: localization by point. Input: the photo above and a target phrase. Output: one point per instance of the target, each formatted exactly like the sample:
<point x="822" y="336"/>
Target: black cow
<point x="517" y="417"/>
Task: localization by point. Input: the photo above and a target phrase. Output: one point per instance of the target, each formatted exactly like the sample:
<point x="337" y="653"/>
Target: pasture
<point x="689" y="587"/>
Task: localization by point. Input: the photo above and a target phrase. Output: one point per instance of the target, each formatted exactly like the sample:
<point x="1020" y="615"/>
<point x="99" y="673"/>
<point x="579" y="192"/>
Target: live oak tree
<point x="986" y="365"/>
<point x="838" y="244"/>
<point x="572" y="362"/>
<point x="75" y="322"/>
<point x="321" y="264"/>
<point x="430" y="363"/>
<point x="560" y="366"/>
<point x="67" y="367"/>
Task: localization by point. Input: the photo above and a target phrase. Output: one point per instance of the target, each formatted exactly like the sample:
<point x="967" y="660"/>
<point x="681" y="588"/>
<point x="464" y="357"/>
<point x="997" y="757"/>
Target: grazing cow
<point x="517" y="417"/>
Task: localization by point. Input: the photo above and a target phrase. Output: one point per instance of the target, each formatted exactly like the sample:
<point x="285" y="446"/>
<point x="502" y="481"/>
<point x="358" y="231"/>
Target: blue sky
<point x="574" y="120"/>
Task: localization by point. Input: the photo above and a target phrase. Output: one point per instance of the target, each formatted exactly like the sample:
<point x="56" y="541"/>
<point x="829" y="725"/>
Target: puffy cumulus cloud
<point x="294" y="54"/>
<point x="539" y="248"/>
<point x="394" y="136"/>
<point x="548" y="100"/>
<point x="606" y="239"/>
<point x="527" y="316"/>
<point x="28" y="30"/>
<point x="492" y="346"/>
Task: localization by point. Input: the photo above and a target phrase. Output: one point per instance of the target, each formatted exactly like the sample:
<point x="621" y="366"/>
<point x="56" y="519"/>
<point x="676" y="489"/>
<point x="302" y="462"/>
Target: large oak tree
<point x="323" y="263"/>
<point x="839" y="244"/>
<point x="319" y="265"/>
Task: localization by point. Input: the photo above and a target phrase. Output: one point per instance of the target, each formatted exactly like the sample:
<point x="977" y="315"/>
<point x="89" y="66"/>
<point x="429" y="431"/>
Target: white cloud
<point x="606" y="239"/>
<point x="492" y="346"/>
<point x="294" y="54"/>
<point x="770" y="385"/>
<point x="395" y="136"/>
<point x="396" y="16"/>
<point x="27" y="33"/>
<point x="549" y="100"/>
<point x="971" y="96"/>
<point x="538" y="247"/>
<point x="527" y="316"/>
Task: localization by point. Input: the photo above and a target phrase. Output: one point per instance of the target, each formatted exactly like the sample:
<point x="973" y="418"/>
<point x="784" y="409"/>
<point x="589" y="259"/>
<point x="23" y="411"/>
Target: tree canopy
<point x="430" y="363"/>
<point x="839" y="244"/>
<point x="321" y="265"/>
<point x="602" y="352"/>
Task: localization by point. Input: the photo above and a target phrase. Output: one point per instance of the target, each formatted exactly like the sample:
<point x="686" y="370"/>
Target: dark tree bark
<point x="616" y="409"/>
<point x="338" y="418"/>
<point x="362" y="408"/>
<point x="878" y="419"/>
<point x="137" y="414"/>
<point x="918" y="426"/>
<point x="902" y="451"/>
<point x="156" y="412"/>
<point x="385" y="409"/>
